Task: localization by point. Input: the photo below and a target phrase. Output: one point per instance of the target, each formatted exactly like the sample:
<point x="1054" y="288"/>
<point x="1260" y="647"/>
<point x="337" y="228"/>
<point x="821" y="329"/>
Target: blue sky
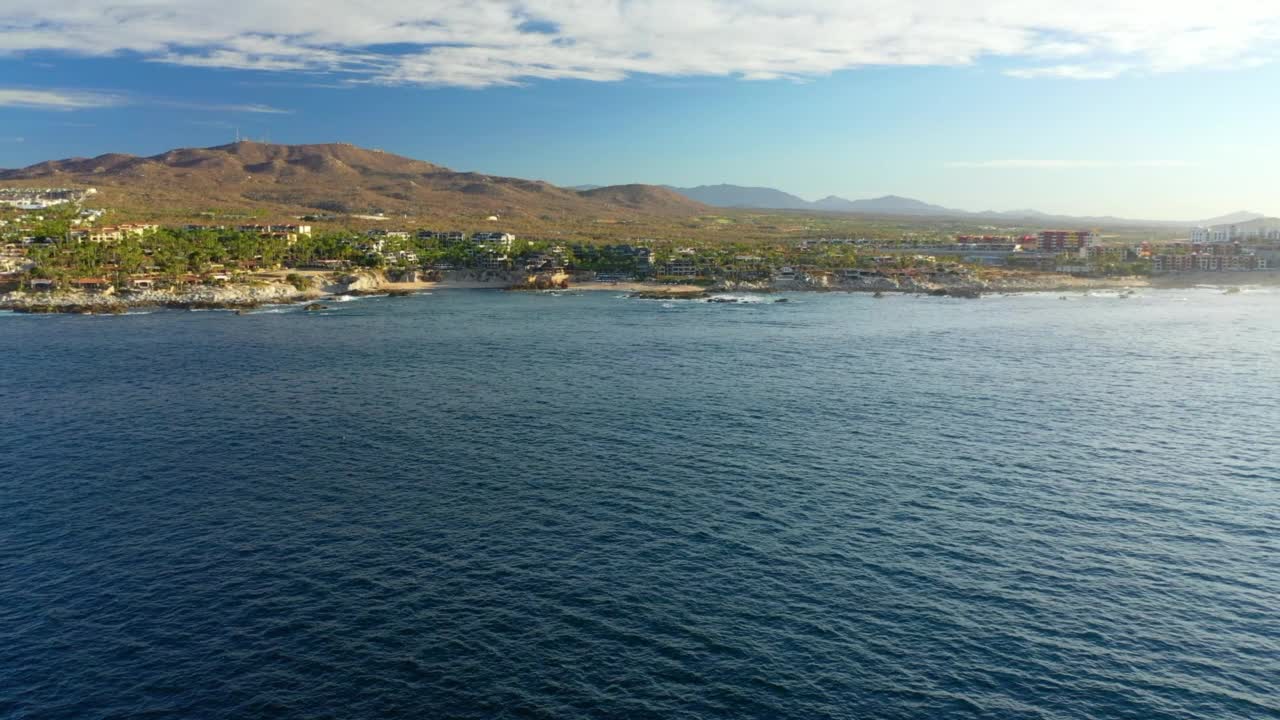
<point x="1139" y="110"/>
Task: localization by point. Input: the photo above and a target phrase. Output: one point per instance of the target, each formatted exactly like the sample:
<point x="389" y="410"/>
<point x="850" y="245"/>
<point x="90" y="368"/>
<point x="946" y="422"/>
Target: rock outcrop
<point x="671" y="295"/>
<point x="236" y="296"/>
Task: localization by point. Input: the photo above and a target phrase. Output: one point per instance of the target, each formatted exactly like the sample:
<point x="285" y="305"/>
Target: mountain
<point x="266" y="180"/>
<point x="1258" y="222"/>
<point x="335" y="177"/>
<point x="644" y="198"/>
<point x="887" y="205"/>
<point x="763" y="198"/>
<point x="737" y="196"/>
<point x="1235" y="218"/>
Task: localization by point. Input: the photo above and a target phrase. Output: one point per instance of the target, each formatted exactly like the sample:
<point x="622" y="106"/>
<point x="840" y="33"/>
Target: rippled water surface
<point x="493" y="505"/>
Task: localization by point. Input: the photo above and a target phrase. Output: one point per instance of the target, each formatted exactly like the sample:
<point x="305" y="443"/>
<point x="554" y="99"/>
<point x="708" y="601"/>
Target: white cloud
<point x="1071" y="72"/>
<point x="206" y="107"/>
<point x="478" y="43"/>
<point x="1065" y="164"/>
<point x="66" y="100"/>
<point x="56" y="99"/>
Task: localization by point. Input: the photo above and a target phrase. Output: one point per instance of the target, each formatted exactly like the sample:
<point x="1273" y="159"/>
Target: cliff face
<point x="356" y="283"/>
<point x="543" y="281"/>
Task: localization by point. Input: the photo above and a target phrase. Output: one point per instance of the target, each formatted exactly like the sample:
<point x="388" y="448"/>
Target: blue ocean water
<point x="496" y="505"/>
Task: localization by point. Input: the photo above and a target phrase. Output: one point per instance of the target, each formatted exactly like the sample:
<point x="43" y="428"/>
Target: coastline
<point x="1266" y="278"/>
<point x="271" y="288"/>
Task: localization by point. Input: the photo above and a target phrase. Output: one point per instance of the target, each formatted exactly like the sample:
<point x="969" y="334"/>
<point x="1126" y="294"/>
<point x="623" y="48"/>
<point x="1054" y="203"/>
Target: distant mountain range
<point x="763" y="198"/>
<point x="343" y="178"/>
<point x="334" y="178"/>
<point x="737" y="196"/>
<point x="1235" y="218"/>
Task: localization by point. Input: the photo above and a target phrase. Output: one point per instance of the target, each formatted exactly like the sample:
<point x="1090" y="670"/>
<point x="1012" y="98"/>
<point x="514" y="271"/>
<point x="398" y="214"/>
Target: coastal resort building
<point x="1197" y="262"/>
<point x="289" y="233"/>
<point x="92" y="284"/>
<point x="112" y="233"/>
<point x="494" y="241"/>
<point x="494" y="262"/>
<point x="681" y="267"/>
<point x="1058" y="241"/>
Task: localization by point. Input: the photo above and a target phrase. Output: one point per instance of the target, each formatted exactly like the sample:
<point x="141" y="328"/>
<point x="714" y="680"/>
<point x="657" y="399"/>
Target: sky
<point x="1138" y="108"/>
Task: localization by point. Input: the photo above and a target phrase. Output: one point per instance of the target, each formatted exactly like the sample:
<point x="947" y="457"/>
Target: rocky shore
<point x="231" y="297"/>
<point x="274" y="289"/>
<point x="671" y="294"/>
<point x="966" y="286"/>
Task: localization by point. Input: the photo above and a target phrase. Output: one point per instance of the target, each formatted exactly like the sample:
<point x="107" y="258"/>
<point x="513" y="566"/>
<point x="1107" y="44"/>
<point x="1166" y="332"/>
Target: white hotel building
<point x="1233" y="233"/>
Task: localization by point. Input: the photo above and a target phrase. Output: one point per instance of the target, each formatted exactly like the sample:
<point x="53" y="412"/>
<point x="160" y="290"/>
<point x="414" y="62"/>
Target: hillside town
<point x="42" y="198"/>
<point x="48" y="243"/>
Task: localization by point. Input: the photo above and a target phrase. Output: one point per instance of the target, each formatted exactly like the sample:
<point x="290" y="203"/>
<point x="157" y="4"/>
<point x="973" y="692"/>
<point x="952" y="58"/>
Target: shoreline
<point x="1263" y="278"/>
<point x="271" y="289"/>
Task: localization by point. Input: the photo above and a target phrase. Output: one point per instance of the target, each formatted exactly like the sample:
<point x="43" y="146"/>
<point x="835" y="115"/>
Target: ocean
<point x="476" y="504"/>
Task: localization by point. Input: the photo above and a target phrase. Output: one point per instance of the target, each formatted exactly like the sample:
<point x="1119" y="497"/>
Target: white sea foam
<point x="1111" y="293"/>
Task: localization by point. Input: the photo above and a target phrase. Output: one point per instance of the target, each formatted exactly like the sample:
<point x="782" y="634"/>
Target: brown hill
<point x="337" y="177"/>
<point x="644" y="198"/>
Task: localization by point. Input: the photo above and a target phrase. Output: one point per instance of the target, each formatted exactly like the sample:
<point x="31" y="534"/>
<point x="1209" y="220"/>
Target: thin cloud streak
<point x="61" y="100"/>
<point x="484" y="43"/>
<point x="250" y="108"/>
<point x="69" y="100"/>
<point x="1022" y="164"/>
